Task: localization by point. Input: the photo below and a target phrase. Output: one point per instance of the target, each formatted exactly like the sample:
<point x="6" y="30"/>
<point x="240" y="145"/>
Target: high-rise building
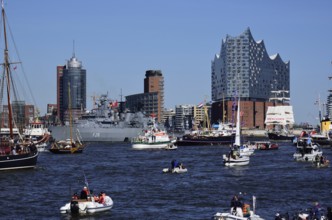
<point x="244" y="69"/>
<point x="154" y="82"/>
<point x="71" y="80"/>
<point x="152" y="100"/>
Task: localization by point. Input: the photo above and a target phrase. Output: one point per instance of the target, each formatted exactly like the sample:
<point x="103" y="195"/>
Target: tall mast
<point x="7" y="72"/>
<point x="70" y="122"/>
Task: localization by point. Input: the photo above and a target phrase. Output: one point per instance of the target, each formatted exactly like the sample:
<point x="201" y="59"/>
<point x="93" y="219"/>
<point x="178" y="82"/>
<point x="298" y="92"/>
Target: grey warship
<point x="105" y="123"/>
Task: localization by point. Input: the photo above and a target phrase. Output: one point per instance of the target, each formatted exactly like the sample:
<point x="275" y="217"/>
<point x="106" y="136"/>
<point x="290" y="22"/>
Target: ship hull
<point x="25" y="161"/>
<point x="189" y="140"/>
<point x="279" y="137"/>
<point x="97" y="134"/>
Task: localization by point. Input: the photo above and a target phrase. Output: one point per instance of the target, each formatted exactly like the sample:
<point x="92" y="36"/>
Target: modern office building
<point x="244" y="69"/>
<point x="71" y="80"/>
<point x="152" y="100"/>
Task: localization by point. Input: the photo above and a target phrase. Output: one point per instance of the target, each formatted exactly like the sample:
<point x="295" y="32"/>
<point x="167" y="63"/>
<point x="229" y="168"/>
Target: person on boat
<point x="246" y="210"/>
<point x="174" y="164"/>
<point x="101" y="199"/>
<point x="322" y="160"/>
<point x="75" y="196"/>
<point x="84" y="193"/>
<point x="316" y="211"/>
<point x="107" y="199"/>
<point x="181" y="166"/>
<point x="236" y="206"/>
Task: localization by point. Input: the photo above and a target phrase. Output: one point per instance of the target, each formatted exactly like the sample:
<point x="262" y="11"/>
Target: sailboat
<point x="234" y="158"/>
<point x="15" y="153"/>
<point x="68" y="146"/>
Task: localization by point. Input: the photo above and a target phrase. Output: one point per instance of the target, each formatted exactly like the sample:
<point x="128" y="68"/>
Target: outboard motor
<point x="74" y="207"/>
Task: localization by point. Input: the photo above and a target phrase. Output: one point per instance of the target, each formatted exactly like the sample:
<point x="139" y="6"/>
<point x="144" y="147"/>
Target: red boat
<point x="266" y="145"/>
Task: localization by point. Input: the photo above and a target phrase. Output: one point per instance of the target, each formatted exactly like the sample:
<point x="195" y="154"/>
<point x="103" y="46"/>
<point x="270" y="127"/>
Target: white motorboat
<point x="235" y="158"/>
<point x="171" y="146"/>
<point x="83" y="206"/>
<point x="236" y="213"/>
<point x="229" y="216"/>
<point x="175" y="170"/>
<point x="306" y="150"/>
<point x="152" y="138"/>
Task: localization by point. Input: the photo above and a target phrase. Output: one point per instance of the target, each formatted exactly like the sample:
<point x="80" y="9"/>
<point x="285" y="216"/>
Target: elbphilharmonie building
<point x="244" y="67"/>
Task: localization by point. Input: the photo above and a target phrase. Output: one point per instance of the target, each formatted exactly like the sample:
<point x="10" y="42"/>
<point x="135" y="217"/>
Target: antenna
<point x="73" y="48"/>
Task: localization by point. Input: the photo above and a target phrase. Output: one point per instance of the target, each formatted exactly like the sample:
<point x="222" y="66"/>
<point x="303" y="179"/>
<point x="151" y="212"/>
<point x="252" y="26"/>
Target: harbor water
<point x="139" y="189"/>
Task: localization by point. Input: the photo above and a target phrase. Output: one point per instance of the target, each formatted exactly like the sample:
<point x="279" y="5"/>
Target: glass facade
<point x="74" y="77"/>
<point x="244" y="68"/>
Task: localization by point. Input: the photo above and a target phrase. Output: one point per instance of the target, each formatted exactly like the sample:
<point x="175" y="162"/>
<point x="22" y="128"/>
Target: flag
<point x="85" y="181"/>
<point x="200" y="105"/>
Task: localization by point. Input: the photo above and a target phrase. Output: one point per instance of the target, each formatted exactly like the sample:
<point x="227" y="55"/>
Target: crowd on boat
<point x="87" y="202"/>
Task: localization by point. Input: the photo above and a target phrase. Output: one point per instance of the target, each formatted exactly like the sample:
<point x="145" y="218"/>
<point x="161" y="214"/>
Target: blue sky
<point x="117" y="41"/>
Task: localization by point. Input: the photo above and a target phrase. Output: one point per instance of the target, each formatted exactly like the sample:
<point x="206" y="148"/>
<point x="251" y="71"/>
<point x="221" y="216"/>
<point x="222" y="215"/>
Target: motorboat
<point x="320" y="162"/>
<point x="230" y="216"/>
<point x="171" y="146"/>
<point x="237" y="213"/>
<point x="175" y="170"/>
<point x="152" y="138"/>
<point x="264" y="145"/>
<point x="82" y="206"/>
<point x="87" y="203"/>
<point x="306" y="150"/>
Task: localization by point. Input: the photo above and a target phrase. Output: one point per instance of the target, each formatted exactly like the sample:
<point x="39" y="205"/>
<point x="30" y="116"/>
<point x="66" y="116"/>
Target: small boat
<point x="175" y="170"/>
<point x="320" y="162"/>
<point x="237" y="213"/>
<point x="176" y="167"/>
<point x="87" y="205"/>
<point x="234" y="158"/>
<point x="66" y="147"/>
<point x="265" y="145"/>
<point x="171" y="146"/>
<point x="306" y="150"/>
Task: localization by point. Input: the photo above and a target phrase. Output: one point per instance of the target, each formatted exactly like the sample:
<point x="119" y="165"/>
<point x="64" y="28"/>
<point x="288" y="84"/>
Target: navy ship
<point x="106" y="123"/>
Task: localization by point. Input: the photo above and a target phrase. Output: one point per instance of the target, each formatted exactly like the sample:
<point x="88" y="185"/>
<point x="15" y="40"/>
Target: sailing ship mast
<point x="7" y="74"/>
<point x="70" y="116"/>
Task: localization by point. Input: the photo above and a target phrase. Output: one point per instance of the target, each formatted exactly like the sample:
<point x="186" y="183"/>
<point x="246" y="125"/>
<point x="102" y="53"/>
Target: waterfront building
<point x="71" y="76"/>
<point x="244" y="69"/>
<point x="152" y="100"/>
<point x="168" y="118"/>
<point x="22" y="114"/>
<point x="191" y="117"/>
<point x="144" y="102"/>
